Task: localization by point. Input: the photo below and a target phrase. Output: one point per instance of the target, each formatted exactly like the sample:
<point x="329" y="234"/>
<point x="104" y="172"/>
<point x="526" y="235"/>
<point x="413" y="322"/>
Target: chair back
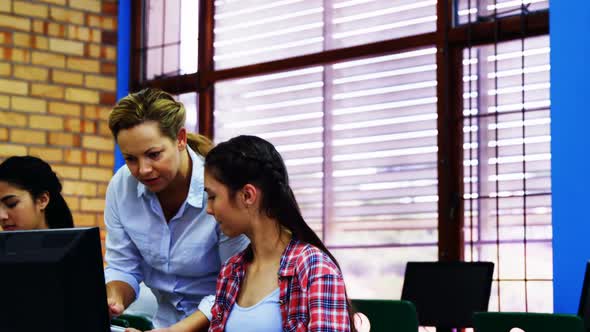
<point x="388" y="315"/>
<point x="526" y="321"/>
<point x="135" y="321"/>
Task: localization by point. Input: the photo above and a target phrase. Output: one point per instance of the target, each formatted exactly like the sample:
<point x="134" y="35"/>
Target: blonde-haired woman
<point x="158" y="230"/>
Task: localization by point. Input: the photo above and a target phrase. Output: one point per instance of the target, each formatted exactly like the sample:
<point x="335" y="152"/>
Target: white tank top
<point x="264" y="316"/>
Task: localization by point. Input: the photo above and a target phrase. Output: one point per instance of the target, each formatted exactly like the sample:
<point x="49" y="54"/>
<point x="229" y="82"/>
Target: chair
<point x="388" y="315"/>
<point x="135" y="321"/>
<point x="529" y="322"/>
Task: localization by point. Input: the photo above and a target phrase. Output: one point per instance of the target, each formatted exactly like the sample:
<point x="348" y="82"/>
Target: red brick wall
<point x="57" y="84"/>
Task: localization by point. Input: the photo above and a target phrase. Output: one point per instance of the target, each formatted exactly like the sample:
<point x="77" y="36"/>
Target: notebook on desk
<point x="446" y="294"/>
<point x="53" y="280"/>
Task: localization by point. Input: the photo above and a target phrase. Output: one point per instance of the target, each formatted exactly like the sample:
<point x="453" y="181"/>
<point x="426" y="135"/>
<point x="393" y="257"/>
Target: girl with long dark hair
<point x="30" y="196"/>
<point x="286" y="280"/>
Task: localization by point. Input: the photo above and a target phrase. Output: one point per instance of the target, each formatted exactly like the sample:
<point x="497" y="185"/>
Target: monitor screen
<point x="584" y="307"/>
<point x="446" y="294"/>
<point x="52" y="280"/>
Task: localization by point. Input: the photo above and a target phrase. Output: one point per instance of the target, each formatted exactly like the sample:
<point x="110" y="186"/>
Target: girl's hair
<point x="250" y="159"/>
<point x="36" y="176"/>
<point x="152" y="104"/>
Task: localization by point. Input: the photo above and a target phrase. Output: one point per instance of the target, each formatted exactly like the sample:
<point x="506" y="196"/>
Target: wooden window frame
<point x="450" y="41"/>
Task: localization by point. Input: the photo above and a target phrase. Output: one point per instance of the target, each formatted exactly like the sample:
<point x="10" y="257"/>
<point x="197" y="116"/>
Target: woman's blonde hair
<point x="152" y="104"/>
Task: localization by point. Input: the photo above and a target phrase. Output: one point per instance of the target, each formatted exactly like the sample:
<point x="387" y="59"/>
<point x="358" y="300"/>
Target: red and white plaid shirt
<point x="312" y="292"/>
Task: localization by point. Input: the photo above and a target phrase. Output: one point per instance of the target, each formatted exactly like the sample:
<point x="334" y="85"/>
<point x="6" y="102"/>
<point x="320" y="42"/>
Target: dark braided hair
<point x="250" y="159"/>
<point x="36" y="176"/>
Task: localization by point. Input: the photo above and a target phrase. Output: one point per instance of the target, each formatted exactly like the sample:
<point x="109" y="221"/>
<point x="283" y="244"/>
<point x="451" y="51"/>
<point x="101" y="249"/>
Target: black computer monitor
<point x="584" y="307"/>
<point x="52" y="280"/>
<point x="446" y="294"/>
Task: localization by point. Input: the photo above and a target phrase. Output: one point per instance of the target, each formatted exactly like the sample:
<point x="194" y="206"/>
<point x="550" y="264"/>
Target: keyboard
<point x="116" y="328"/>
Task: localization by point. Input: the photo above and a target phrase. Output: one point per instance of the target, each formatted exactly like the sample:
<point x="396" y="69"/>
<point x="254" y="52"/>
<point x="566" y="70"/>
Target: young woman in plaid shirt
<point x="286" y="280"/>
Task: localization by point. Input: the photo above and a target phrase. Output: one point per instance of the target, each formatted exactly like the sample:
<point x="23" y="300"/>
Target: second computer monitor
<point x="446" y="294"/>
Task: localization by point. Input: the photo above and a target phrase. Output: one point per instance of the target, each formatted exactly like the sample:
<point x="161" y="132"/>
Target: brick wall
<point x="57" y="84"/>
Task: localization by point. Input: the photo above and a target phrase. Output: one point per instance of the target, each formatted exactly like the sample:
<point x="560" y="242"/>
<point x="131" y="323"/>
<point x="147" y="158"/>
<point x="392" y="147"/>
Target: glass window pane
<point x="190" y="102"/>
<point x="252" y="31"/>
<point x="485" y="10"/>
<point x="172" y="23"/>
<point x="154" y="62"/>
<point x="383" y="150"/>
<point x="171" y="60"/>
<point x="257" y="31"/>
<point x="378" y="273"/>
<point x="171" y="32"/>
<point x="154" y="23"/>
<point x="507" y="168"/>
<point x="189" y="36"/>
<point x="286" y="109"/>
<point x="356" y="22"/>
<point x="540" y="296"/>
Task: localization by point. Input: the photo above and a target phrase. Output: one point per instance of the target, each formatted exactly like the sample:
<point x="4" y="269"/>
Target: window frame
<point x="450" y="40"/>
